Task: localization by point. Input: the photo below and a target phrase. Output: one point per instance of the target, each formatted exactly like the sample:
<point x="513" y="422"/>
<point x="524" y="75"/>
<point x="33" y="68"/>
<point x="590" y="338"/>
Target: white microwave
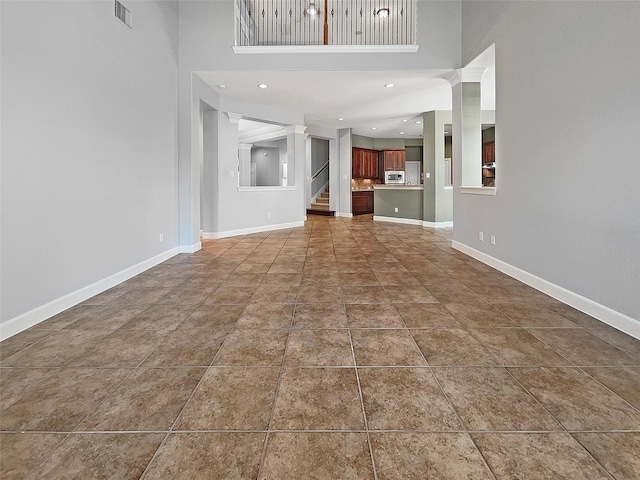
<point x="394" y="176"/>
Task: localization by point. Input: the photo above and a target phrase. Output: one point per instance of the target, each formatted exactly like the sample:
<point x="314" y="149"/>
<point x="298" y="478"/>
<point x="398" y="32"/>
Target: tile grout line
<point x="275" y="397"/>
<point x="453" y="407"/>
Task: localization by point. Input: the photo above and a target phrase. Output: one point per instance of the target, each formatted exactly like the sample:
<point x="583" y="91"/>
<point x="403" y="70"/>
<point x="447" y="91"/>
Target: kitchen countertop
<point x="398" y="187"/>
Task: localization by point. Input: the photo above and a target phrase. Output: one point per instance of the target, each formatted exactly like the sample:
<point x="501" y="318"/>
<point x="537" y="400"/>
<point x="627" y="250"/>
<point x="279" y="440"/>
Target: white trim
<point x="326" y="49"/>
<point x="190" y="248"/>
<point x="267" y="189"/>
<point x="41" y="313"/>
<point x="465" y="75"/>
<point x="408" y="221"/>
<point x="398" y="187"/>
<point x="479" y="191"/>
<point x="605" y="314"/>
<point x="263" y="228"/>
<point x="448" y="187"/>
<point x="437" y="224"/>
<point x="342" y="214"/>
<point x="210" y="236"/>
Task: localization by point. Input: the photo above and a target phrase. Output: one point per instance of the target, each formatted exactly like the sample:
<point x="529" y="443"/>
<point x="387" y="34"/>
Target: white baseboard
<point x="605" y="314"/>
<point x="210" y="236"/>
<point x="38" y="314"/>
<point x="190" y="248"/>
<point x="407" y="221"/>
<point x="437" y="224"/>
<point x="262" y="228"/>
<point x="343" y="214"/>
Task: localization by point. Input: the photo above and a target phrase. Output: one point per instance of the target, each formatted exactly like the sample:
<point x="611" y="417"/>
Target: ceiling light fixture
<point x="340" y="119"/>
<point x="401" y="133"/>
<point x="405" y="120"/>
<point x="418" y="121"/>
<point x="312" y="10"/>
<point x="263" y="85"/>
<point x="383" y="12"/>
<point x="373" y="128"/>
<point x="222" y="86"/>
<point x="390" y="85"/>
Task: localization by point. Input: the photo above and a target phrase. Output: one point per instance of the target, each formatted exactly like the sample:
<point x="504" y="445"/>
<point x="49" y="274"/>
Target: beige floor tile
<point x="253" y="347"/>
<point x="364" y="294"/>
<point x="21" y="340"/>
<point x="214" y="316"/>
<point x="578" y="401"/>
<point x="582" y="347"/>
<point x="426" y="315"/>
<point x="101" y="456"/>
<point x="318" y="399"/>
<point x="188" y="347"/>
<point x="319" y="315"/>
<point x="617" y="452"/>
<point x="231" y="398"/>
<point x="59" y="402"/>
<point x="359" y="279"/>
<point x="534" y="315"/>
<point x="120" y="349"/>
<point x="618" y="339"/>
<point x="319" y="294"/>
<point x="624" y="381"/>
<point x="386" y="348"/>
<point x="452" y="347"/>
<point x="478" y="315"/>
<point x="141" y="296"/>
<point x="373" y="316"/>
<point x="229" y="295"/>
<point x="418" y="456"/>
<point x="489" y="399"/>
<point x="149" y="399"/>
<point x="22" y="452"/>
<point x="319" y="348"/>
<point x="160" y="317"/>
<point x="539" y="455"/>
<point x="15" y="382"/>
<point x="275" y="293"/>
<point x="261" y="316"/>
<point x="405" y="399"/>
<point x="517" y="347"/>
<point x="318" y="456"/>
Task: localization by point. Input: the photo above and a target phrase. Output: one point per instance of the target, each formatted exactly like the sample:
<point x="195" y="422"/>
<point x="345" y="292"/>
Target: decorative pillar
<point x="467" y="126"/>
<point x="244" y="164"/>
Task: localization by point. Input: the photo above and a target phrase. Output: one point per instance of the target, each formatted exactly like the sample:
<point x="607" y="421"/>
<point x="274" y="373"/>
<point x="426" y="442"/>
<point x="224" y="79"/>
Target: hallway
<point x="343" y="349"/>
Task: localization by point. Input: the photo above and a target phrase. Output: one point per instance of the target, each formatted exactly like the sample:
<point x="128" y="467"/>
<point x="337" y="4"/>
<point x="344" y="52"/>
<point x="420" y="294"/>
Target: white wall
<point x="88" y="148"/>
<point x="568" y="164"/>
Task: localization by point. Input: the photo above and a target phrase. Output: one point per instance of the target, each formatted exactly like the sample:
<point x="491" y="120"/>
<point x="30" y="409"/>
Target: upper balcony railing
<point x="325" y="22"/>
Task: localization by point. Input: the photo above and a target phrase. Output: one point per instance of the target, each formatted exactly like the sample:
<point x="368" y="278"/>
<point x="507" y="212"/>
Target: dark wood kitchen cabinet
<point x="362" y="202"/>
<point x="394" y="160"/>
<point x="364" y="163"/>
<point x="488" y="152"/>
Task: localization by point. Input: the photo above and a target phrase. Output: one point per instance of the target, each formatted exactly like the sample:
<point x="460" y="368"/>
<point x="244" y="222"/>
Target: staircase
<point x="321" y="205"/>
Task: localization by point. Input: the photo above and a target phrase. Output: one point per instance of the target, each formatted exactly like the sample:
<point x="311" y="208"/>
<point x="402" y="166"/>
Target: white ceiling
<point x="360" y="98"/>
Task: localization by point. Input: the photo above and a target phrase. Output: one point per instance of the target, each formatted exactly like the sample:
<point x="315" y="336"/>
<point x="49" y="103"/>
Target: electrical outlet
<point x="428" y="175"/>
<point x="481" y="236"/>
<point x="396" y="209"/>
<point x="161" y="237"/>
<point x="268" y="215"/>
<point x="493" y="239"/>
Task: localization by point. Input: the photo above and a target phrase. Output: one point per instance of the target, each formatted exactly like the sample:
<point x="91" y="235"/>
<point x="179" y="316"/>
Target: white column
<point x="244" y="159"/>
<point x="296" y="157"/>
<point x="467" y="126"/>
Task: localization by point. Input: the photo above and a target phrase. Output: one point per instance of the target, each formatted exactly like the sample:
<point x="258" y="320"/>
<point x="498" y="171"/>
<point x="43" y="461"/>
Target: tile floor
<point x="346" y="349"/>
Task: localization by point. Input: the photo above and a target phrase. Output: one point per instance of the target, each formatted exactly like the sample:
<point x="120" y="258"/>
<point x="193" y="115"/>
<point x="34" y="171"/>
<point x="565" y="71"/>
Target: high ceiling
<point x="359" y="98"/>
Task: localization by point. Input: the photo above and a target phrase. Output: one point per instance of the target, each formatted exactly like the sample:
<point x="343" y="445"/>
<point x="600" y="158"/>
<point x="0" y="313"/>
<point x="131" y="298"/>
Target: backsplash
<point x="364" y="183"/>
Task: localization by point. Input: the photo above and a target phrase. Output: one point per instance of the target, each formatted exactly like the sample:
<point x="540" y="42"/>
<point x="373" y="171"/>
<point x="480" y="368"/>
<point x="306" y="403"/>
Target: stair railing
<point x="319" y="181"/>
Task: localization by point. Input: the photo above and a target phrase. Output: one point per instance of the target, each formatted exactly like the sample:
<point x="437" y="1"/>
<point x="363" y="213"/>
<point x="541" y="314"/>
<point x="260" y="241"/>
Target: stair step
<point x="322" y="200"/>
<point x="320" y="206"/>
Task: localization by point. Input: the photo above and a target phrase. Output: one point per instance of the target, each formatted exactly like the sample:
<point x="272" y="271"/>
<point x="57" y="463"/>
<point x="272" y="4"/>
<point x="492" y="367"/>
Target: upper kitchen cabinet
<point x="394" y="160"/>
<point x="364" y="163"/>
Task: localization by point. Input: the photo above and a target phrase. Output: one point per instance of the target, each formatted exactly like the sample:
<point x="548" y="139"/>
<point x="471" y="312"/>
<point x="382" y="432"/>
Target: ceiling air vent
<point x="123" y="14"/>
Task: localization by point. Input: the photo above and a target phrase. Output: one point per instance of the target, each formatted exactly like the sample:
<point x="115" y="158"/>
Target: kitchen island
<point x="398" y="203"/>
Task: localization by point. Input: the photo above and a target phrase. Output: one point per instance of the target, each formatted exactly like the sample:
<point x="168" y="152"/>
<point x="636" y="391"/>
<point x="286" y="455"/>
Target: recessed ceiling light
<point x="390" y="85"/>
<point x="263" y="85"/>
<point x="340" y="119"/>
<point x="373" y="128"/>
<point x="401" y="133"/>
<point x="405" y="120"/>
<point x="222" y="86"/>
<point x="383" y="12"/>
<point x="418" y="121"/>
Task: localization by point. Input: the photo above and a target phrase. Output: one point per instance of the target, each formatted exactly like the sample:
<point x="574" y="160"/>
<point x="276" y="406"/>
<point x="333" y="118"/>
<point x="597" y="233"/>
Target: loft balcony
<point x="325" y="25"/>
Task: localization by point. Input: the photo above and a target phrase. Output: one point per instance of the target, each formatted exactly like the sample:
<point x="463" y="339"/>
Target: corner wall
<point x="567" y="122"/>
